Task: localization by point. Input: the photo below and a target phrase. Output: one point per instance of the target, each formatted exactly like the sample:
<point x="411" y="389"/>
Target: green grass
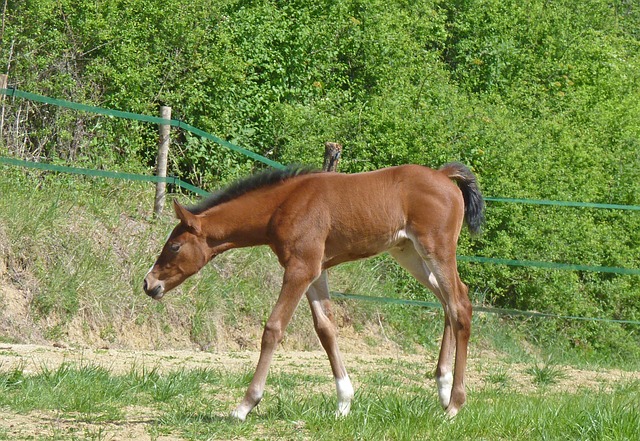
<point x="499" y="378"/>
<point x="194" y="404"/>
<point x="545" y="374"/>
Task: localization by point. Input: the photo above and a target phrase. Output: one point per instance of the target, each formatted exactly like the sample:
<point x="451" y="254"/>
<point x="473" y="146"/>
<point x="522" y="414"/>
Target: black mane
<point x="254" y="182"/>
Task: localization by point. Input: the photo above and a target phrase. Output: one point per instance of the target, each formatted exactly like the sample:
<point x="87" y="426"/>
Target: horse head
<point x="184" y="254"/>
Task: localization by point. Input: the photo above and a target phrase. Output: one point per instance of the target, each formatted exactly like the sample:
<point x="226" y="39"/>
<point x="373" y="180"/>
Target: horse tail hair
<point x="473" y="201"/>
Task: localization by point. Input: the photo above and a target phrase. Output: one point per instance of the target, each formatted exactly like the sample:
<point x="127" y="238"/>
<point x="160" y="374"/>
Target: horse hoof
<point x="451" y="412"/>
<point x="238" y="416"/>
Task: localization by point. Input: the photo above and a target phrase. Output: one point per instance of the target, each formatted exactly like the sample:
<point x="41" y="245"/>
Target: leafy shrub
<point x="539" y="98"/>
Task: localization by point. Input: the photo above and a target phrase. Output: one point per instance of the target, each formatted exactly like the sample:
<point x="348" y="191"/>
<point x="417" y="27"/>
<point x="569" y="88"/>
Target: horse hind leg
<point x="319" y="301"/>
<point x="444" y="369"/>
<point x="458" y="310"/>
<point x="409" y="258"/>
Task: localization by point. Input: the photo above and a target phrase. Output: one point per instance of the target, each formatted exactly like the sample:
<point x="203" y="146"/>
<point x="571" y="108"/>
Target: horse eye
<point x="174" y="247"/>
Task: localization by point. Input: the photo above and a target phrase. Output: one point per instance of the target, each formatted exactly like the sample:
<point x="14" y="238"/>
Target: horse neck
<point x="241" y="222"/>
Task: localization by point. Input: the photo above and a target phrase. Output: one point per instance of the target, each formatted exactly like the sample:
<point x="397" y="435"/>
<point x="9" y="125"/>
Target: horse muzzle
<point x="153" y="288"/>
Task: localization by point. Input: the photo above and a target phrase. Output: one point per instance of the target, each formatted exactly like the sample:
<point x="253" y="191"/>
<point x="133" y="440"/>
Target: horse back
<point x="354" y="216"/>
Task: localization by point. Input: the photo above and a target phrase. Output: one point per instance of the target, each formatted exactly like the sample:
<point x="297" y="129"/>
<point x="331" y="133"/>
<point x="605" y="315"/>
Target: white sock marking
<point x="345" y="395"/>
<point x="445" y="384"/>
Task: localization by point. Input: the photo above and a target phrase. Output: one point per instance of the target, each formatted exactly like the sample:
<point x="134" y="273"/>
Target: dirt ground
<point x="484" y="370"/>
<point x="360" y="360"/>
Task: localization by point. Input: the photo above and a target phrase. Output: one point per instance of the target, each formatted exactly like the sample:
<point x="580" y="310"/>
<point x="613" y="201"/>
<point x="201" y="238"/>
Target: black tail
<point x="473" y="201"/>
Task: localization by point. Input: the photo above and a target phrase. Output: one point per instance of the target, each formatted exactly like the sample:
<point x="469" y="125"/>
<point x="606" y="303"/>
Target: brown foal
<point x="313" y="221"/>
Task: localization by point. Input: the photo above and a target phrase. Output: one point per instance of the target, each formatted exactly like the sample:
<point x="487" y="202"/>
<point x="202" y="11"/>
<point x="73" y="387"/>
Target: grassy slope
<point x="73" y="252"/>
<point x="73" y="255"/>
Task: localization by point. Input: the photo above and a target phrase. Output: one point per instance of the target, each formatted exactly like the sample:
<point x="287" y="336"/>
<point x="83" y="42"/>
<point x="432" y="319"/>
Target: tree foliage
<point x="540" y="98"/>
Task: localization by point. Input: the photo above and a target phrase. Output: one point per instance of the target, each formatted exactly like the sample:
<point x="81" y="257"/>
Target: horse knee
<point x="272" y="335"/>
<point x="327" y="334"/>
<point x="460" y="317"/>
<point x="326" y="331"/>
<point x="465" y="311"/>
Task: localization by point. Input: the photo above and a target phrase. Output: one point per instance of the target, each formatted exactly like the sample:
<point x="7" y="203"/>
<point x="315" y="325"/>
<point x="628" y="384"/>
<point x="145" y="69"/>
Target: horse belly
<point x="347" y="248"/>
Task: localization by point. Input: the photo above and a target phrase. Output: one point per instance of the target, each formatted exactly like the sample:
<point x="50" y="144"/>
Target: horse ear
<point x="189" y="219"/>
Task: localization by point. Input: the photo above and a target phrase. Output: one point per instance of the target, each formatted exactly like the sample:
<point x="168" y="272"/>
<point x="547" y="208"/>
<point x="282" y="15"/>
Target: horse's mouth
<point x="156" y="292"/>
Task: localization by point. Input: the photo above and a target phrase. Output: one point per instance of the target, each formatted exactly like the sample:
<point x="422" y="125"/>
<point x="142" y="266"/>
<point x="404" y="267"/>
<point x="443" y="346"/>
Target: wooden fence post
<point x="332" y="152"/>
<point x="4" y="81"/>
<point x="161" y="164"/>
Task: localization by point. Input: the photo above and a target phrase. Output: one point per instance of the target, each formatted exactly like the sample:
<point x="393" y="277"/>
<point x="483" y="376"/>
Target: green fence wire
<point x="551" y="265"/>
<point x="477" y="308"/>
<point x="137" y="117"/>
<point x="387" y="300"/>
<point x="255" y="156"/>
<point x="564" y="203"/>
<point x="102" y="174"/>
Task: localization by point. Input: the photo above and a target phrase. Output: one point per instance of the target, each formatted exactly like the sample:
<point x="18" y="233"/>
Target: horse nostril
<point x="144" y="285"/>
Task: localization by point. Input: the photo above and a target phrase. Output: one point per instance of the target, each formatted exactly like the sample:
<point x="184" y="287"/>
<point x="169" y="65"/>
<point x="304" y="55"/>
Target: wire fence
<point x="102" y="174"/>
<point x="15" y="93"/>
<point x="477" y="308"/>
<point x="185" y="185"/>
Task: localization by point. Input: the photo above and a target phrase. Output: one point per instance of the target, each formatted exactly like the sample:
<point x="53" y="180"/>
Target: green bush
<point x="540" y="98"/>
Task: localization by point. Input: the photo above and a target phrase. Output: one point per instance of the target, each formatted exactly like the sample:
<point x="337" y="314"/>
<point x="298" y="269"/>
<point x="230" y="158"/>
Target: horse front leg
<point x="296" y="282"/>
<point x="320" y="303"/>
